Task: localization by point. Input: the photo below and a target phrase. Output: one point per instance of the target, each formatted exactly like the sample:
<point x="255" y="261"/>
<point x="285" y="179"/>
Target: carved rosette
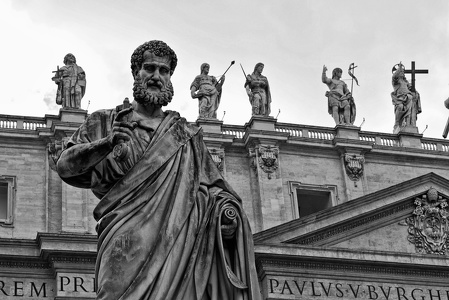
<point x="268" y="159"/>
<point x="218" y="158"/>
<point x="354" y="166"/>
<point x="429" y="226"/>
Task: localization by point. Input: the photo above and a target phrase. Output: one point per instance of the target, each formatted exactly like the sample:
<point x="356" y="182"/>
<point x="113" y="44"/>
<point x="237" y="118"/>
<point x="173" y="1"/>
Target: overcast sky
<point x="294" y="39"/>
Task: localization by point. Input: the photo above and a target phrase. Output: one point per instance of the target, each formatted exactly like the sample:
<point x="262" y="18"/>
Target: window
<point x="309" y="198"/>
<point x="7" y="195"/>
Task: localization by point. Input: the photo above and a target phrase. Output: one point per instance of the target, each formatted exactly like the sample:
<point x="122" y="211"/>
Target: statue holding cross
<point x="71" y="81"/>
<point x="405" y="98"/>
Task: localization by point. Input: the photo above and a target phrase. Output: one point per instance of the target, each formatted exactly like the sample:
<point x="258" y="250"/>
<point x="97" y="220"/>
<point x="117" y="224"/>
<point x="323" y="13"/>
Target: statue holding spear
<point x="341" y="104"/>
<point x="207" y="89"/>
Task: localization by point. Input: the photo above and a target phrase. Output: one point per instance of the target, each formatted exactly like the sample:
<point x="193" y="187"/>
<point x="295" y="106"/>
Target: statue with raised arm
<point x="340" y="102"/>
<point x="258" y="91"/>
<point x="71" y="81"/>
<point x="208" y="91"/>
<point x="406" y="100"/>
<point x="169" y="226"/>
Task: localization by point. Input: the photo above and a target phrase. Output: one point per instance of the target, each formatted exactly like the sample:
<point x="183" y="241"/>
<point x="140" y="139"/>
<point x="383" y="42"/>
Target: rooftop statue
<point x="258" y="91"/>
<point x="340" y="102"/>
<point x="208" y="91"/>
<point x="71" y="81"/>
<point x="169" y="225"/>
<point x="406" y="100"/>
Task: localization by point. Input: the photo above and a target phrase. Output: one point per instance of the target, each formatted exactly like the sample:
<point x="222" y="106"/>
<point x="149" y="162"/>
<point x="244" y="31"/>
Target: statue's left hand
<point x="228" y="230"/>
<point x="229" y="223"/>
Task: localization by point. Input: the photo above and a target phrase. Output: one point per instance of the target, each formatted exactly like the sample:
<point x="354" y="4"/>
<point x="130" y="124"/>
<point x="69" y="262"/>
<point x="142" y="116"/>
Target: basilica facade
<point x="336" y="213"/>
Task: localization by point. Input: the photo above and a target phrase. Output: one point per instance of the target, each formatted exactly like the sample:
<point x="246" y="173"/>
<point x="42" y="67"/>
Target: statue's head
<point x="205" y="66"/>
<point x="259" y="67"/>
<point x="152" y="65"/>
<point x="69" y="58"/>
<point x="336" y="73"/>
<point x="157" y="48"/>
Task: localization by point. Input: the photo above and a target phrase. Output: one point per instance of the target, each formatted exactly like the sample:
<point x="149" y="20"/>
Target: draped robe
<point x="159" y="217"/>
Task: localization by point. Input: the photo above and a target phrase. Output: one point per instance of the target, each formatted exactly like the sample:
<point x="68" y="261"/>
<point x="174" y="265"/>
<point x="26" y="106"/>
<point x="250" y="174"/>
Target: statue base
<point x="345" y="131"/>
<point x="210" y="125"/>
<point x="261" y="123"/>
<point x="409" y="137"/>
<point x="72" y="115"/>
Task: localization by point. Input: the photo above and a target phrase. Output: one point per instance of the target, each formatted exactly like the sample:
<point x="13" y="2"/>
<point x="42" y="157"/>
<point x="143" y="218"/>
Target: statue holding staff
<point x="340" y="102"/>
<point x="258" y="91"/>
<point x="207" y="90"/>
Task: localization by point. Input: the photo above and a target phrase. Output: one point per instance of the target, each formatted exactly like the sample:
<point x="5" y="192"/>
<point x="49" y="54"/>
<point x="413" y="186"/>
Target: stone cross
<point x="414" y="71"/>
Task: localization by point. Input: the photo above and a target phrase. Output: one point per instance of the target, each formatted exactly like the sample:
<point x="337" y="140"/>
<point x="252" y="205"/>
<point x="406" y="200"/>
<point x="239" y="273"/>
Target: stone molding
<point x="335" y="230"/>
<point x="354" y="267"/>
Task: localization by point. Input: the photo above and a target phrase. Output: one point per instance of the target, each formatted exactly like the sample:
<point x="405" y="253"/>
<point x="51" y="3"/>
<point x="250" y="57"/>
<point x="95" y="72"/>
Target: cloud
<point x="49" y="100"/>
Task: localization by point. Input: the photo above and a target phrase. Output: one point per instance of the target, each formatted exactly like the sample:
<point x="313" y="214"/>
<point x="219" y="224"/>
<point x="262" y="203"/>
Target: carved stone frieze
<point x="429" y="225"/>
<point x="218" y="156"/>
<point x="354" y="165"/>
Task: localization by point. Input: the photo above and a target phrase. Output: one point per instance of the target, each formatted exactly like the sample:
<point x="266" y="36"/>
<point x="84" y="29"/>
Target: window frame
<point x="11" y="197"/>
<point x="296" y="185"/>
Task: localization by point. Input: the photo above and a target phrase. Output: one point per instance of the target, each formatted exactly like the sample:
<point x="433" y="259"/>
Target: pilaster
<point x="352" y="155"/>
<point x="262" y="141"/>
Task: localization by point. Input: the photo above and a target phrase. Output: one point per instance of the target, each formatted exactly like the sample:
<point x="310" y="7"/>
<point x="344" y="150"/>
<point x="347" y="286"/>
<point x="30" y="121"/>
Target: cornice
<point x="307" y="264"/>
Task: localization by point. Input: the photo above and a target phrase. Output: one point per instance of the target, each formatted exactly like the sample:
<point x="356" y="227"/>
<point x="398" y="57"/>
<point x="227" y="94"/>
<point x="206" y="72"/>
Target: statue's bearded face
<point x="152" y="83"/>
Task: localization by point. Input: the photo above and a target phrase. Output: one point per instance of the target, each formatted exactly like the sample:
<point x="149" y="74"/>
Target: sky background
<point x="293" y="38"/>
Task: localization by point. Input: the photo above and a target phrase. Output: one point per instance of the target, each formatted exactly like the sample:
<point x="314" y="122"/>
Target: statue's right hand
<point x="324" y="68"/>
<point x="122" y="130"/>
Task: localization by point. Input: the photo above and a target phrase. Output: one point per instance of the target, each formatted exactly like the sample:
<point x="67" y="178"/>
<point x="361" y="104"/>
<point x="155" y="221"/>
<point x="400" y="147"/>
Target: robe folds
<point x="159" y="217"/>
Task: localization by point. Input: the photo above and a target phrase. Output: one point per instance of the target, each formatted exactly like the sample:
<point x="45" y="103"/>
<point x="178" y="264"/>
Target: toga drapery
<point x="159" y="217"/>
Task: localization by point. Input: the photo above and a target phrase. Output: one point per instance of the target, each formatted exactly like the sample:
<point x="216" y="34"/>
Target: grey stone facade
<point x="356" y="246"/>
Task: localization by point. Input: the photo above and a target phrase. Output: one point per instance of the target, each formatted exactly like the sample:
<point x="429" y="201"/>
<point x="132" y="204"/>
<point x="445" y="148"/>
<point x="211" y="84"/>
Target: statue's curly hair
<point x="158" y="48"/>
<point x="335" y="71"/>
<point x="69" y="55"/>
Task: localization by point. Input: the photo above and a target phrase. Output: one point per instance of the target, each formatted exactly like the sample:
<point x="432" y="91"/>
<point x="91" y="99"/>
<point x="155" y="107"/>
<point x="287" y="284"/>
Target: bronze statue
<point x="169" y="225"/>
<point x="406" y="100"/>
<point x="208" y="91"/>
<point x="341" y="105"/>
<point x="71" y="81"/>
<point x="258" y="91"/>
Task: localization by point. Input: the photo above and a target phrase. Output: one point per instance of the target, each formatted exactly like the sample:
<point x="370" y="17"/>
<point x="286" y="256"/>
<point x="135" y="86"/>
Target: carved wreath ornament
<point x="268" y="159"/>
<point x="429" y="226"/>
<point x="354" y="166"/>
<point x="264" y="157"/>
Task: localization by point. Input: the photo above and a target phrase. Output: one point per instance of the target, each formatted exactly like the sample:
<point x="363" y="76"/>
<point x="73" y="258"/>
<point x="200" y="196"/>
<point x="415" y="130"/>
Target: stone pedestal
<point x="410" y="137"/>
<point x="72" y="115"/>
<point x="261" y="123"/>
<point x="210" y="125"/>
<point x="347" y="132"/>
